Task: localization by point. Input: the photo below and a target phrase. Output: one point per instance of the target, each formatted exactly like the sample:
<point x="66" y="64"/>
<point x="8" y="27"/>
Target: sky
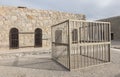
<point x="93" y="9"/>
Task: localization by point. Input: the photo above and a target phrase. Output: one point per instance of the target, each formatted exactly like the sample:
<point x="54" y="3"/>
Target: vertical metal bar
<point x="80" y="63"/>
<point x="102" y="51"/>
<point x="87" y="42"/>
<point x="87" y="56"/>
<point x="105" y="33"/>
<point x="102" y="32"/>
<point x="85" y="45"/>
<point x="83" y="51"/>
<point x="52" y="41"/>
<point x="84" y="32"/>
<point x="109" y="40"/>
<point x="81" y="56"/>
<point x="106" y="52"/>
<point x="84" y="55"/>
<point x="72" y="55"/>
<point x="90" y="47"/>
<point x="80" y="33"/>
<point x="93" y="54"/>
<point x="78" y="50"/>
<point x="98" y="53"/>
<point x="88" y="50"/>
<point x="93" y="32"/>
<point x="98" y="31"/>
<point x="75" y="55"/>
<point x="69" y="44"/>
<point x="90" y="54"/>
<point x="75" y="43"/>
<point x="96" y="49"/>
<point x="66" y="41"/>
<point x="100" y="56"/>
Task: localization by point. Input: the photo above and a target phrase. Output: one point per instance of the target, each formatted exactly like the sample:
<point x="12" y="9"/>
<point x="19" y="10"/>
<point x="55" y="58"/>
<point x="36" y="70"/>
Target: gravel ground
<point x="31" y="66"/>
<point x="106" y="70"/>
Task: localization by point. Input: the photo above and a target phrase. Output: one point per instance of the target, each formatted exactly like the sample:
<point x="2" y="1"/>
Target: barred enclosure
<point x="78" y="43"/>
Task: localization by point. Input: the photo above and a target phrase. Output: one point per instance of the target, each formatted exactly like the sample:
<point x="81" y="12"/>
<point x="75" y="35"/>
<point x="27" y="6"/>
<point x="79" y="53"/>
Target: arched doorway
<point x="14" y="38"/>
<point x="74" y="36"/>
<point x="58" y="36"/>
<point x="38" y="37"/>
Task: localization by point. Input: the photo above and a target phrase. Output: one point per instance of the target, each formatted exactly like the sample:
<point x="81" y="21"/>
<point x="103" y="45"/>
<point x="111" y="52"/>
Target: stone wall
<point x="26" y="21"/>
<point x="115" y="26"/>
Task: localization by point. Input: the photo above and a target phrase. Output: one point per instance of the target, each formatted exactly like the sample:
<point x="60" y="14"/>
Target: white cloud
<point x="104" y="3"/>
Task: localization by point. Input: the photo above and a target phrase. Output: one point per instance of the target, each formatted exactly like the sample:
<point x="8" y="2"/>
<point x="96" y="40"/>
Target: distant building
<point x="115" y="27"/>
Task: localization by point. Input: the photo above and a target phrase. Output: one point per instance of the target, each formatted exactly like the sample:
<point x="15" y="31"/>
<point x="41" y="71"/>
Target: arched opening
<point x="58" y="36"/>
<point x="74" y="36"/>
<point x="38" y="37"/>
<point x="14" y="38"/>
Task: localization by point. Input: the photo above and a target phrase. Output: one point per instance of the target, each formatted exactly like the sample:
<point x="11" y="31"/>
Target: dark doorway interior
<point x="112" y="36"/>
<point x="38" y="37"/>
<point x="14" y="38"/>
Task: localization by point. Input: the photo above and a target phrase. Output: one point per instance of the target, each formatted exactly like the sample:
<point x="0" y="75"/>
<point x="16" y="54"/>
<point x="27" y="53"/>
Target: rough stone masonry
<point x="26" y="21"/>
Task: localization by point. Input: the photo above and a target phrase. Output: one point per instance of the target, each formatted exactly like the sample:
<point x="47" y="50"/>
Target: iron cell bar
<point x="88" y="45"/>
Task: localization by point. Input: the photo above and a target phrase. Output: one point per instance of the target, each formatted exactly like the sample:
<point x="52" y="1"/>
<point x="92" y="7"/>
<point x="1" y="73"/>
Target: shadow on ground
<point x="118" y="75"/>
<point x="33" y="63"/>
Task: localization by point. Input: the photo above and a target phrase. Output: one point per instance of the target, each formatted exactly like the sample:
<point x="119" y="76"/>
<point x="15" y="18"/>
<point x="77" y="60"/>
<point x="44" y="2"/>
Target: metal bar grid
<point x="81" y="43"/>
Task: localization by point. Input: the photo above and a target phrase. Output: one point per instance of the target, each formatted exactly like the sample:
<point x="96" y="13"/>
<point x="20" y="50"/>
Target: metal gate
<point x="78" y="43"/>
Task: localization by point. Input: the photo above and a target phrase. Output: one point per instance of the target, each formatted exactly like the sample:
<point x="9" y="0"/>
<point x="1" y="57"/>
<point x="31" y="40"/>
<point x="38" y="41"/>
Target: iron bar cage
<point x="79" y="43"/>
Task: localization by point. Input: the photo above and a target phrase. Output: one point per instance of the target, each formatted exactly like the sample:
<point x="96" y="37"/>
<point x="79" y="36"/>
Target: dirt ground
<point x="37" y="66"/>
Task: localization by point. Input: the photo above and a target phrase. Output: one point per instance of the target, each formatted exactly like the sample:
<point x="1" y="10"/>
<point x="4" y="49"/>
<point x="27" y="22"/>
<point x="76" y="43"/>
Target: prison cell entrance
<point x="14" y="38"/>
<point x="78" y="43"/>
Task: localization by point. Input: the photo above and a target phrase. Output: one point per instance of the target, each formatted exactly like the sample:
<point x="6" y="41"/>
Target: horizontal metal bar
<point x="59" y="43"/>
<point x="59" y="23"/>
<point x="89" y="21"/>
<point x="94" y="58"/>
<point x="86" y="44"/>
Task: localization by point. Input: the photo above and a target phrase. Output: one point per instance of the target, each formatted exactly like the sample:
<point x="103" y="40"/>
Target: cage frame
<point x="79" y="44"/>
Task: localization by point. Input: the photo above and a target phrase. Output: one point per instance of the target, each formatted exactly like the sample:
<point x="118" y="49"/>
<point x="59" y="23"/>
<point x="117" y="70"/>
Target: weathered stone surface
<point x="27" y="20"/>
